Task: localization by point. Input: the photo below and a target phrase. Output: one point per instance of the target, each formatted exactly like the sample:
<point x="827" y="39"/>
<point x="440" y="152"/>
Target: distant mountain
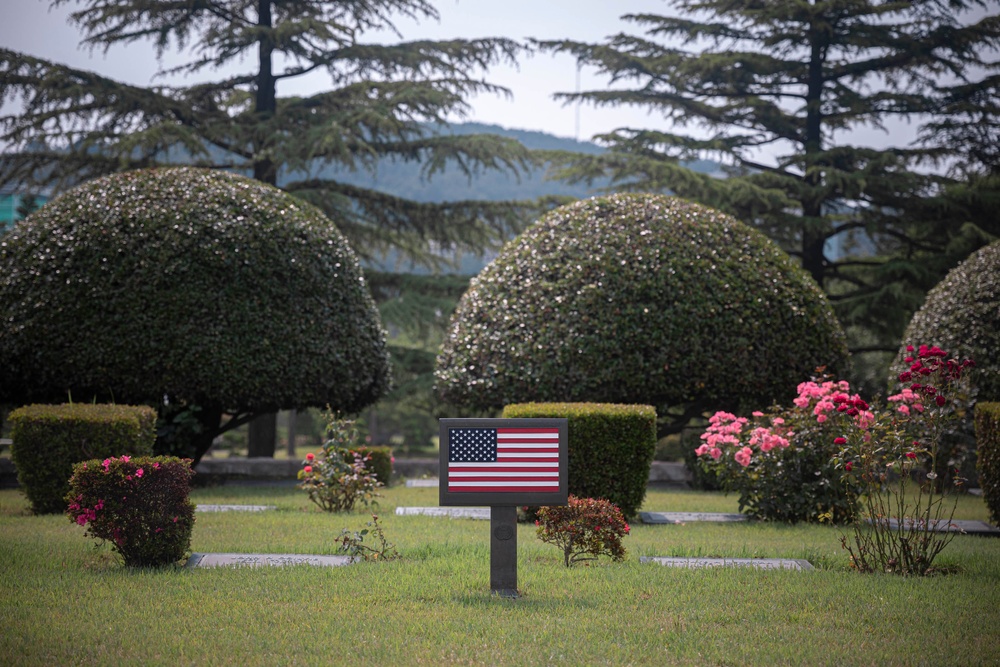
<point x="403" y="179"/>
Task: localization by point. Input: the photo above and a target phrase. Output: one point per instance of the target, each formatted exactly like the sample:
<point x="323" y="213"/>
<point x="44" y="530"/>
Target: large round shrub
<point x="203" y="287"/>
<point x="638" y="298"/>
<point x="962" y="316"/>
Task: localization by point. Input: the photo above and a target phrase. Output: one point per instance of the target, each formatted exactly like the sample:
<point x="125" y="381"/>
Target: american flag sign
<point x="503" y="460"/>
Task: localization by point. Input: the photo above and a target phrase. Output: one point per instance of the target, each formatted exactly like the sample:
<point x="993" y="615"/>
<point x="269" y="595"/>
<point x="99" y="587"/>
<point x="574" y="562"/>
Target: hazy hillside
<point x="403" y="179"/>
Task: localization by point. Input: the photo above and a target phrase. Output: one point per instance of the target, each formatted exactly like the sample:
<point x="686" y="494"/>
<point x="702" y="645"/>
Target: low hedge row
<point x="988" y="459"/>
<point x="611" y="448"/>
<point x="49" y="439"/>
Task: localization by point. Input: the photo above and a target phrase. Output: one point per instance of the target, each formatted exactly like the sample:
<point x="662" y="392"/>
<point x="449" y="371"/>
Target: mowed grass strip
<point x="66" y="601"/>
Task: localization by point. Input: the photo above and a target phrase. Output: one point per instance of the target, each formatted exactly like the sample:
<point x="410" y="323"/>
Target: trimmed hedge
<point x="610" y="448"/>
<point x="638" y="299"/>
<point x="213" y="289"/>
<point x="380" y="462"/>
<point x="49" y="439"/>
<point x="988" y="459"/>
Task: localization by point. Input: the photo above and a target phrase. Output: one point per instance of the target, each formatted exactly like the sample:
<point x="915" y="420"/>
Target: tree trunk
<point x="263" y="433"/>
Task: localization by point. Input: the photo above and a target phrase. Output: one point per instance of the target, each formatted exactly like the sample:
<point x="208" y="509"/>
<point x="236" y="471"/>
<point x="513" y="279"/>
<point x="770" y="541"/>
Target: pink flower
<point x="758" y="413"/>
<point x="627" y="528"/>
<point x="904" y="408"/>
<point x="743" y="456"/>
<point x="715" y="453"/>
<point x="138" y="473"/>
<point x="156" y="465"/>
<point x="307" y="469"/>
<point x="702" y="449"/>
<point x="125" y="458"/>
<point x="821" y="418"/>
<point x="310" y="456"/>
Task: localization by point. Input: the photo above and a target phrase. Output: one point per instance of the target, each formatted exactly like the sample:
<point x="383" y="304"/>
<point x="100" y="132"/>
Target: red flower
<point x="911" y="455"/>
<point x="307" y="469"/>
<point x="848" y="466"/>
<point x="840" y="441"/>
<point x="940" y="400"/>
<point x="310" y="456"/>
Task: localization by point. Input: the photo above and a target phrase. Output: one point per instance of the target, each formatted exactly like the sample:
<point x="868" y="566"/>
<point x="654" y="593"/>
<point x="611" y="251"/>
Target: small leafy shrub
<point x="988" y="459"/>
<point x="585" y="529"/>
<point x="49" y="439"/>
<point x="886" y="451"/>
<point x="782" y="462"/>
<point x="352" y="543"/>
<point x="140" y="505"/>
<point x="339" y="477"/>
<point x="610" y="448"/>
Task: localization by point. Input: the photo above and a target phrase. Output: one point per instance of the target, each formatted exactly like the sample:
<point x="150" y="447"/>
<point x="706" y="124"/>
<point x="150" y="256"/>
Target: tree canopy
<point x="637" y="298"/>
<point x="187" y="288"/>
<point x="775" y="89"/>
<point x="64" y="125"/>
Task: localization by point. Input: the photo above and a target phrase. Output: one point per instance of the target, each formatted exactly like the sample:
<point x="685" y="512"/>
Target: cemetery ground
<point x="66" y="601"/>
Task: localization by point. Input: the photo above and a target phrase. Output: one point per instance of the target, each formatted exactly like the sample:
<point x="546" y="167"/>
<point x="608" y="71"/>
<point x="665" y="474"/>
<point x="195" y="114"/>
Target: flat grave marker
<point x="757" y="563"/>
<point x="265" y="560"/>
<point x="233" y="508"/>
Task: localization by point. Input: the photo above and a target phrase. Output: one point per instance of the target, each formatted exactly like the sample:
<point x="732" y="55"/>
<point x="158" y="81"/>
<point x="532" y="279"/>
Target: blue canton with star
<point x="472" y="445"/>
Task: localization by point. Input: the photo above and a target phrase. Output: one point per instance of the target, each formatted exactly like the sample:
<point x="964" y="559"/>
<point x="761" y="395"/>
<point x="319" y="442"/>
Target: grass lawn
<point x="64" y="601"/>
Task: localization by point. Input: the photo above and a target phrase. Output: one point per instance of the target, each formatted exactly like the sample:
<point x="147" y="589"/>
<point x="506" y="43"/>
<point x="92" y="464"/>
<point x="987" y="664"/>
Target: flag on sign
<point x="503" y="460"/>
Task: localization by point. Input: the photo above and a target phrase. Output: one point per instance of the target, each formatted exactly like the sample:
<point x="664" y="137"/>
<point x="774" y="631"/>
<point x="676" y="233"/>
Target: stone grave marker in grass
<point x="233" y="508"/>
<point x="265" y="560"/>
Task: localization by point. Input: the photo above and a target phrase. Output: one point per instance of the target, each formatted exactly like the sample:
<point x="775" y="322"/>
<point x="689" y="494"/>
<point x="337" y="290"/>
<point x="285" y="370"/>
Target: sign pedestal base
<point x="503" y="551"/>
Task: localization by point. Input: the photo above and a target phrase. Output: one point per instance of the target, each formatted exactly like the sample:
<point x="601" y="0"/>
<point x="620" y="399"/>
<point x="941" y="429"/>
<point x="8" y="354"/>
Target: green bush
<point x="139" y="504"/>
<point x="962" y="316"/>
<point x="988" y="459"/>
<point x="49" y="439"/>
<point x="610" y="448"/>
<point x="638" y="299"/>
<point x="224" y="294"/>
<point x="379" y="461"/>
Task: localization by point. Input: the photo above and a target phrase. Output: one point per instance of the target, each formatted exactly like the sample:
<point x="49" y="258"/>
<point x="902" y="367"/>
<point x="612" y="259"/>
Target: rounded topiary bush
<point x="207" y="288"/>
<point x="638" y="298"/>
<point x="961" y="315"/>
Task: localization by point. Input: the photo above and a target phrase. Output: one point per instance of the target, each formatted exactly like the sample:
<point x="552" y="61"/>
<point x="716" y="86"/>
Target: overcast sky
<point x="29" y="26"/>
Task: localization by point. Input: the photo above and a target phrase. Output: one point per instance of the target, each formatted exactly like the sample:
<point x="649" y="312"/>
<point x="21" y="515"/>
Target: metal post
<point x="503" y="550"/>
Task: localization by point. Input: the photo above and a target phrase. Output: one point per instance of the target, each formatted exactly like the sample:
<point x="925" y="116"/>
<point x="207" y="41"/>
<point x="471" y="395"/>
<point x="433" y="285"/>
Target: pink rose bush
<point x="139" y="505"/>
<point x="781" y="461"/>
<point x="894" y="449"/>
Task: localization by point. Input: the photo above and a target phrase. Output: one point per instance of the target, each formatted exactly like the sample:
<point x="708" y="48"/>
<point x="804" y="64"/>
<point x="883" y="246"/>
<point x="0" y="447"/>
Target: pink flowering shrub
<point x="781" y="462"/>
<point x="895" y="450"/>
<point x="138" y="504"/>
<point x="584" y="529"/>
<point x="339" y="477"/>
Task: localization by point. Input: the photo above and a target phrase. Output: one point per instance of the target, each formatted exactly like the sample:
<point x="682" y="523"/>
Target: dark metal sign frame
<point x="492" y="499"/>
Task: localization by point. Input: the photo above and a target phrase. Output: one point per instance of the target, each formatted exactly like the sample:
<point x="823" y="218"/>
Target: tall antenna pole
<point x="578" y="66"/>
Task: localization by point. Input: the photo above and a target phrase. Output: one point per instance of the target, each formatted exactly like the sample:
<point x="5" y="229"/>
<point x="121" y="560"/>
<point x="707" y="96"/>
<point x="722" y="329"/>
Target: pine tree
<point x="73" y="125"/>
<point x="876" y="227"/>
